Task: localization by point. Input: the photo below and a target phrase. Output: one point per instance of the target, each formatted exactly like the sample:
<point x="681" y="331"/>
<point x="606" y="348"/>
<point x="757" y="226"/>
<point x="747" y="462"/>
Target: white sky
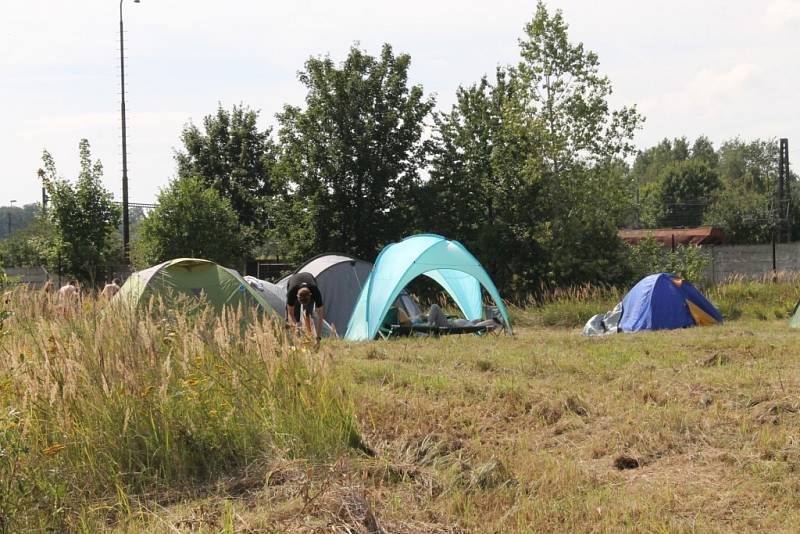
<point x="719" y="68"/>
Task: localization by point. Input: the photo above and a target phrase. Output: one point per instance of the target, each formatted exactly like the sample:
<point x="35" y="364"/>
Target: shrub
<point x="649" y="256"/>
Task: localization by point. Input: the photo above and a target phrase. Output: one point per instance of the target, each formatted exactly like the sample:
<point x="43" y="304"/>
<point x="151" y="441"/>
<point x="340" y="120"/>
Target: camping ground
<point x="688" y="430"/>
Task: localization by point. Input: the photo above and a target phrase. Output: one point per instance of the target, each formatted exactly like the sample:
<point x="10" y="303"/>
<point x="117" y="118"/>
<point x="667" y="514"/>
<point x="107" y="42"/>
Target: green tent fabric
<point x="447" y="262"/>
<point x="794" y="322"/>
<point x="191" y="277"/>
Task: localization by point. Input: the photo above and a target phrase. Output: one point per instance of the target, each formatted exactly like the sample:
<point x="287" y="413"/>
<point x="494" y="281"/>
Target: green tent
<point x="794" y="322"/>
<point x="192" y="278"/>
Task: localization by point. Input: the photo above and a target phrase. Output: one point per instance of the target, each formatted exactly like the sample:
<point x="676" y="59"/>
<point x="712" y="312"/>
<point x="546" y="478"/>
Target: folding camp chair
<point x="396" y="330"/>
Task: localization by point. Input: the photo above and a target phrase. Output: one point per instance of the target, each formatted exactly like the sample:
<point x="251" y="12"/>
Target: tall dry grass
<point x="566" y="307"/>
<point x="771" y="296"/>
<point x="101" y="407"/>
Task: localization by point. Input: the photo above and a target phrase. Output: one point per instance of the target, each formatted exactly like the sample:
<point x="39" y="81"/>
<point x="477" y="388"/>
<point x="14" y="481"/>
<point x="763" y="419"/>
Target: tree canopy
<point x="352" y="157"/>
<point x="231" y="155"/>
<point x="528" y="169"/>
<point x="734" y="187"/>
<point x="190" y="221"/>
<point x="84" y="218"/>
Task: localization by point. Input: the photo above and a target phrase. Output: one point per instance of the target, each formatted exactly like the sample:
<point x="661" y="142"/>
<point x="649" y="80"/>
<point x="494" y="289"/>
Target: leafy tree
<point x="703" y="150"/>
<point x="581" y="147"/>
<point x="745" y="207"/>
<point x="649" y="256"/>
<point x="14" y="218"/>
<point x="466" y="197"/>
<point x="563" y="88"/>
<point x="680" y="149"/>
<point x="649" y="211"/>
<point x="231" y="155"/>
<point x="84" y="218"/>
<point x="136" y="215"/>
<point x="733" y="188"/>
<point x="650" y="163"/>
<point x="744" y="215"/>
<point x="686" y="187"/>
<point x="33" y="246"/>
<point x="533" y="165"/>
<point x="648" y="171"/>
<point x="752" y="165"/>
<point x="190" y="220"/>
<point x="352" y="157"/>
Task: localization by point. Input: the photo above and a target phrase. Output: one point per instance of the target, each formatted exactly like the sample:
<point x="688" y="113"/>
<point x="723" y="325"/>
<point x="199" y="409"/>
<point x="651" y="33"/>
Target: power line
<point x="144" y="205"/>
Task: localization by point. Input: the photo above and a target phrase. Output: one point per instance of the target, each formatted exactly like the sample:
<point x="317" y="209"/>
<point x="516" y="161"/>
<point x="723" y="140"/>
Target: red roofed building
<point x="670" y="237"/>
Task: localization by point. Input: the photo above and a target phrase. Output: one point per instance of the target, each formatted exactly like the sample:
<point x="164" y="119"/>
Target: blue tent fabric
<point x="661" y="301"/>
<point x="446" y="262"/>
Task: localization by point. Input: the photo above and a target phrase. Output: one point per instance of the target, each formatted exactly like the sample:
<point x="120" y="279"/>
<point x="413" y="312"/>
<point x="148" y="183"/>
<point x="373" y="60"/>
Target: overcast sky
<point x="716" y="68"/>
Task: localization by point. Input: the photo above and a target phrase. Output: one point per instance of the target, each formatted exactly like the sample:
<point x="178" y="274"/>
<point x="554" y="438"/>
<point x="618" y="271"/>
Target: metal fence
<point x="37" y="276"/>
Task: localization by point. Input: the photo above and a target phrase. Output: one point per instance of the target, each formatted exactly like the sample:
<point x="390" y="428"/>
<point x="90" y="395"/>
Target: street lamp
<point x="9" y="217"/>
<point x="125" y="223"/>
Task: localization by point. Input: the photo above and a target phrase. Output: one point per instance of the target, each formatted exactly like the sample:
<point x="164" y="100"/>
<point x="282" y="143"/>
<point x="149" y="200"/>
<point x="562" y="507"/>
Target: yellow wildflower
<point x="53" y="449"/>
<point x="190" y="382"/>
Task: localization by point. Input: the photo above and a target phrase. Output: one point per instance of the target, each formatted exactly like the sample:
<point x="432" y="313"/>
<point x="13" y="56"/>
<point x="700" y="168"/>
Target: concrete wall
<point x="35" y="276"/>
<point x="750" y="261"/>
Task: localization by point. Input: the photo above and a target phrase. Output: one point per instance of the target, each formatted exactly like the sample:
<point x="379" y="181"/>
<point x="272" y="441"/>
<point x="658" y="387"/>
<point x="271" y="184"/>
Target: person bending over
<point x="302" y="298"/>
<point x="111" y="289"/>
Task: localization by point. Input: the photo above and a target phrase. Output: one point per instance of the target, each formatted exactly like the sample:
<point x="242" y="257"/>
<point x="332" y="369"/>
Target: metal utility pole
<point x="784" y="192"/>
<point x="126" y="235"/>
<point x="45" y="198"/>
<point x="9" y="217"/>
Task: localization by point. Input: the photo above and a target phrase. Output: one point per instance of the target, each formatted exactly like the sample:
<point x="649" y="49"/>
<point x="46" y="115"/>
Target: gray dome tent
<point x="274" y="295"/>
<point x="340" y="279"/>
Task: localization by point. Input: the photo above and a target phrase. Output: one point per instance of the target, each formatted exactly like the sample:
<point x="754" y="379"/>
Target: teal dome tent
<point x="446" y="262"/>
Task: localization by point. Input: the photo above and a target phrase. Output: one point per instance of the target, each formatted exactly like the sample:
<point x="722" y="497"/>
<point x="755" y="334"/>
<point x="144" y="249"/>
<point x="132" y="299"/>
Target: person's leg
<point x="308" y="325"/>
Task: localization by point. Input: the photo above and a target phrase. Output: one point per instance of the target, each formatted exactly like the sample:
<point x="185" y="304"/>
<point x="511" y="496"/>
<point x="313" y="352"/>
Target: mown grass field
<point x="110" y="423"/>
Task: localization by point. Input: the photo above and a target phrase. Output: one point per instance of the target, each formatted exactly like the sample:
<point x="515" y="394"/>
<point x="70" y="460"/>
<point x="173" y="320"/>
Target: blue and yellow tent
<point x="665" y="301"/>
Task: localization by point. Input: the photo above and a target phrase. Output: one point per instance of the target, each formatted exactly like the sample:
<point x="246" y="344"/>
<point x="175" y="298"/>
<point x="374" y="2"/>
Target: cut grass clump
<point x="94" y="405"/>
